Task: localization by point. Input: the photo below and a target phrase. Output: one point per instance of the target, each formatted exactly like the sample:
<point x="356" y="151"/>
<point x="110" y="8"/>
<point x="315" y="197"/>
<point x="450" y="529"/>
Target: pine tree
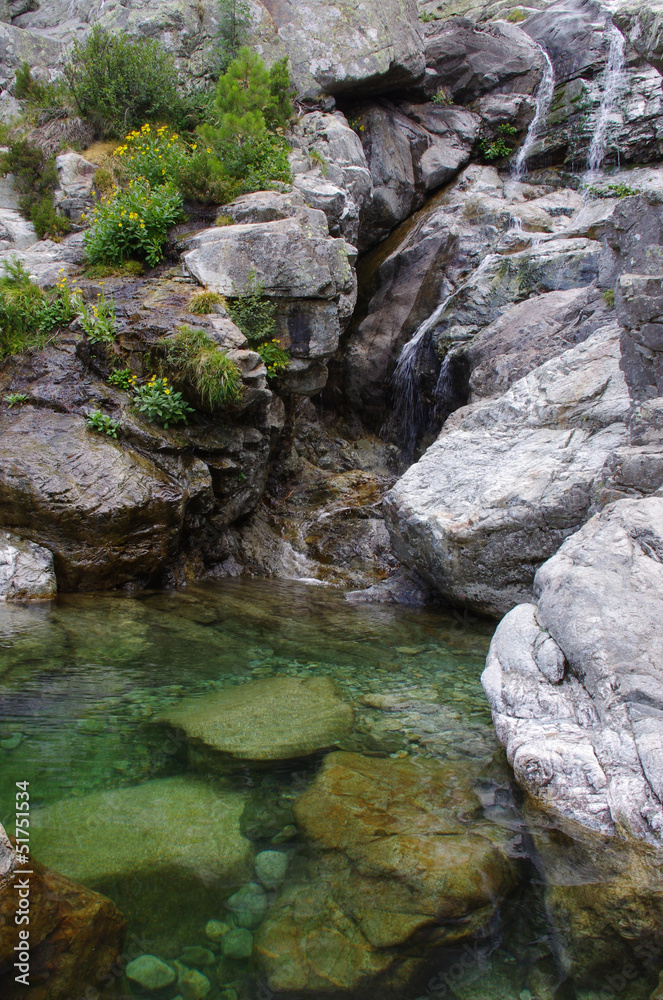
<point x="234" y="22"/>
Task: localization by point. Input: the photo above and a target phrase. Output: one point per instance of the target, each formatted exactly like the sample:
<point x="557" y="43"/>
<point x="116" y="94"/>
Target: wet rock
<point x="573" y="32"/>
<point x="26" y="570"/>
<point x="196" y="956"/>
<point x="266" y="820"/>
<point x="643" y="26"/>
<point x="466" y="60"/>
<point x="237" y="943"/>
<point x="248" y="905"/>
<point x="107" y="513"/>
<point x="508" y="480"/>
<point x="273" y="719"/>
<point x="399" y="866"/>
<point x="554" y="668"/>
<point x="604" y="896"/>
<point x="216" y="930"/>
<point x="193" y="985"/>
<point x="271" y="868"/>
<point x="76" y="935"/>
<point x="150" y="973"/>
<point x="175" y="829"/>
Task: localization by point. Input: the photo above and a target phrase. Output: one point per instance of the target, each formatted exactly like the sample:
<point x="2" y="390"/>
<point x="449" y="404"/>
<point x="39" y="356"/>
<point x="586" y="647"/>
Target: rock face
<point x="68" y="489"/>
<point x="175" y="829"/>
<point x="348" y="47"/>
<point x="573" y="33"/>
<point x="76" y="935"/>
<point x="509" y="479"/>
<point x="643" y="25"/>
<point x="574" y="681"/>
<point x="411" y="150"/>
<point x="465" y="60"/>
<point x="292" y="259"/>
<point x="402" y="865"/>
<point x="26" y="570"/>
<point x="273" y="719"/>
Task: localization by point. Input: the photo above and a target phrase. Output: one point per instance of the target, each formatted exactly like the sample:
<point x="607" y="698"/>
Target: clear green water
<point x="82" y="679"/>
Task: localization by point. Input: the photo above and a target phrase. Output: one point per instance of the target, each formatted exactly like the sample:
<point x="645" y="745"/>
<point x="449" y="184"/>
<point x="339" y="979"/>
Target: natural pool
<point x="120" y="801"/>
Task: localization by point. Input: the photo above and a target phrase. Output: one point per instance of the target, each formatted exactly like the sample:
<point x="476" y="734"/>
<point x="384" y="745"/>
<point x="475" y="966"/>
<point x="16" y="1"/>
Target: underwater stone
<point x="272" y="719"/>
<point x="271" y="867"/>
<point x="249" y="905"/>
<point x="238" y="943"/>
<point x="193" y="984"/>
<point x="216" y="930"/>
<point x="150" y="972"/>
<point x="197" y="956"/>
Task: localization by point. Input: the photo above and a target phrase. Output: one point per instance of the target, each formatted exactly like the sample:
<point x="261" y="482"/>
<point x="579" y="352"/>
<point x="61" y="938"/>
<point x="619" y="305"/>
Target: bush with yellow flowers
<point x="157" y="155"/>
<point x="98" y="320"/>
<point x="133" y="224"/>
<point x="160" y="403"/>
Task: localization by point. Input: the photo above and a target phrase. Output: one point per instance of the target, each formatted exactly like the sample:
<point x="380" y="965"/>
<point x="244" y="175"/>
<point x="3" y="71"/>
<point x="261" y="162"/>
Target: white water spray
<point x="613" y="87"/>
<point x="543" y="98"/>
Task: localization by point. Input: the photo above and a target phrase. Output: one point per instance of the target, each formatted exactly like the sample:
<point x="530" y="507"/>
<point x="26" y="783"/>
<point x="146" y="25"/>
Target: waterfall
<point x="614" y="82"/>
<point x="410" y="415"/>
<point x="543" y="98"/>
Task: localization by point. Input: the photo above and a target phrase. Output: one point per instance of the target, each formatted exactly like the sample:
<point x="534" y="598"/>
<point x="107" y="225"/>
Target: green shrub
<point x="203" y="303"/>
<point x="26" y="88"/>
<point x="123" y="378"/>
<point x="36" y="179"/>
<point x="16" y="399"/>
<point x="128" y="269"/>
<point x="501" y="146"/>
<point x="119" y="82"/>
<point x="516" y="16"/>
<point x="194" y="358"/>
<point x="97" y="421"/>
<point x="28" y="315"/>
<point x="98" y="321"/>
<point x="609" y="296"/>
<point x="133" y="224"/>
<point x="245" y="149"/>
<point x="620" y="190"/>
<point x="255" y="315"/>
<point x="161" y="404"/>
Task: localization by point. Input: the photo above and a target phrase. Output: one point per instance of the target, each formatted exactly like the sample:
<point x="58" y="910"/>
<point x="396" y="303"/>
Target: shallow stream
<point x="84" y="679"/>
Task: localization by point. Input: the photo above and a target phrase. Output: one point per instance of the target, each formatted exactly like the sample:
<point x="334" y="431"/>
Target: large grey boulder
<point x="26" y="570"/>
<point x="508" y="480"/>
<point x="73" y="196"/>
<point x="342" y="47"/>
<point x="16" y="233"/>
<point x="466" y="60"/>
<point x="330" y="171"/>
<point x="575" y="683"/>
<point x="18" y="46"/>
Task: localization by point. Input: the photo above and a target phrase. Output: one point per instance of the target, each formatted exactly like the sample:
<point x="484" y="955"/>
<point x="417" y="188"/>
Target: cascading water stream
<point x="543" y="98"/>
<point x="614" y="83"/>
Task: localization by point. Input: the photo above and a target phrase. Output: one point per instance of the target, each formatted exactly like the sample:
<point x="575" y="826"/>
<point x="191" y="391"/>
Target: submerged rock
<point x="150" y="973"/>
<point x="175" y="830"/>
<point x="273" y="719"/>
<point x="76" y="935"/>
<point x="405" y="863"/>
<point x="574" y="681"/>
<point x="26" y="570"/>
<point x="248" y="905"/>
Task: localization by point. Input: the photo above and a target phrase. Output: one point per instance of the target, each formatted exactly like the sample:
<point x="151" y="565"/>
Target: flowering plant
<point x="159" y="403"/>
<point x="98" y="321"/>
<point x="156" y="155"/>
<point x="133" y="223"/>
